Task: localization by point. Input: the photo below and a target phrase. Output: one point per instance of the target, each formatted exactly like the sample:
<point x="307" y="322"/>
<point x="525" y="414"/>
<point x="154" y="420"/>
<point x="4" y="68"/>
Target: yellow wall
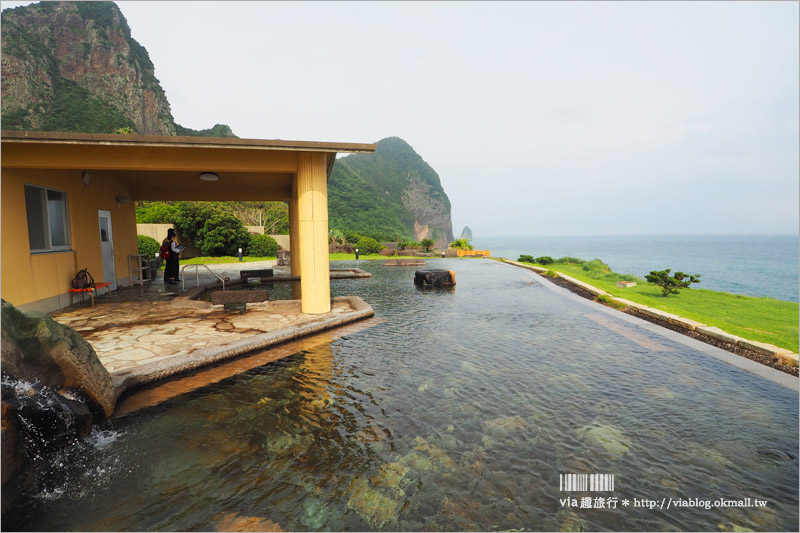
<point x="41" y="281"/>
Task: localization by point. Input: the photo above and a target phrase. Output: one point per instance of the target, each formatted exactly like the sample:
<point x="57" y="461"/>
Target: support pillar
<point x="294" y="237"/>
<point x="312" y="217"/>
<point x="294" y="243"/>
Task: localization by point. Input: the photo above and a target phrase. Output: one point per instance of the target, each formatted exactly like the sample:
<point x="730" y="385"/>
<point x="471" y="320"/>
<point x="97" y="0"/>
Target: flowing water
<point x="458" y="412"/>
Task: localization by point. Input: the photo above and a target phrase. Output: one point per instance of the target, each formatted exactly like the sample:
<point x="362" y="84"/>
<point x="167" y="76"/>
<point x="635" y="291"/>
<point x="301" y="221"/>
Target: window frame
<point x="45" y="212"/>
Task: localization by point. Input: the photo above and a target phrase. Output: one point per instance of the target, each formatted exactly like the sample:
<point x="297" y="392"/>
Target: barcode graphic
<point x="586" y="482"/>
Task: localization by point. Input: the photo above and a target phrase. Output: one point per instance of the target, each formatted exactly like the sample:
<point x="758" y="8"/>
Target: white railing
<point x="197" y="275"/>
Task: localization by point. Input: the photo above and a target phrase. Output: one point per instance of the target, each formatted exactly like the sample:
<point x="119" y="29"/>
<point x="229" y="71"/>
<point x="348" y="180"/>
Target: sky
<point x="541" y="118"/>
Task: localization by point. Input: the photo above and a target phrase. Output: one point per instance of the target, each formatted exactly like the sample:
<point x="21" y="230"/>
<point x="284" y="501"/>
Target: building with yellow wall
<point x="68" y="202"/>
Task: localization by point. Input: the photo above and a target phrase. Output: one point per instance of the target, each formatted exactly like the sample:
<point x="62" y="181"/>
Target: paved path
<point x="129" y="334"/>
<point x="137" y="326"/>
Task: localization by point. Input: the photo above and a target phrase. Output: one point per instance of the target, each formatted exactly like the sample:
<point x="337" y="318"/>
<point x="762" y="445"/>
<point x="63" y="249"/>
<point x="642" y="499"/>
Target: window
<point x="48" y="220"/>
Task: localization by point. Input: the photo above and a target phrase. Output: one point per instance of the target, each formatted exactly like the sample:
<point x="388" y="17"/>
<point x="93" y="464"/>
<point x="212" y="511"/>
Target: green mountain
<point x="73" y="66"/>
<point x="390" y="194"/>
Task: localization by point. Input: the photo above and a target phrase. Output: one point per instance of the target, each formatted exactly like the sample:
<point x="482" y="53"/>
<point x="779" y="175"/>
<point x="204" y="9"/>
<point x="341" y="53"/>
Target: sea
<point x="753" y="265"/>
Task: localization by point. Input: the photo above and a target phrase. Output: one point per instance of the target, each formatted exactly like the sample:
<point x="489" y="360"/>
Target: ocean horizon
<point x="753" y="265"/>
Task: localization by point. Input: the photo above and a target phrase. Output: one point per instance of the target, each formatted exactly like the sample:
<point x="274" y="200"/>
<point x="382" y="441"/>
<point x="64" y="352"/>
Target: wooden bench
<point x="91" y="290"/>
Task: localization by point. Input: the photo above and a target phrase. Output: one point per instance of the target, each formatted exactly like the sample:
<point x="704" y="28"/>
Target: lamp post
<point x="356" y="254"/>
<point x="240" y="255"/>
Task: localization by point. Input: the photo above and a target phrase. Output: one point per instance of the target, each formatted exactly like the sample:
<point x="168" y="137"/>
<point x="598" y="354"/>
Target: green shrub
<point x="544" y="260"/>
<point x="551" y="274"/>
<point x="461" y="244"/>
<point x="262" y="246"/>
<point x="222" y="234"/>
<point x="368" y="245"/>
<point x="607" y="300"/>
<point x="427" y="244"/>
<point x="595" y="267"/>
<point x="351" y="237"/>
<point x="571" y="261"/>
<point x="155" y="213"/>
<point x="403" y="244"/>
<point x="526" y="259"/>
<point x="190" y="219"/>
<point x="148" y="246"/>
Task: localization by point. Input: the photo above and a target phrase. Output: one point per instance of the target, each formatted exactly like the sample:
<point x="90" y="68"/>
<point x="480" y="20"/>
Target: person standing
<point x="171" y="269"/>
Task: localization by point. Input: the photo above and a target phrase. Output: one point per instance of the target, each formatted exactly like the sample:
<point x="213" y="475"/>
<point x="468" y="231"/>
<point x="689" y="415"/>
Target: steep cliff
<point x="73" y="66"/>
<point x="390" y="194"/>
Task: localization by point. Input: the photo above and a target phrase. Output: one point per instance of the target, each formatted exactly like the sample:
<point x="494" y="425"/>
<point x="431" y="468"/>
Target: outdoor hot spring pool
<point x="458" y="412"/>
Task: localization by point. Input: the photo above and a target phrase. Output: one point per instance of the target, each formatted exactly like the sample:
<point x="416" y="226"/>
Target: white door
<point x="107" y="248"/>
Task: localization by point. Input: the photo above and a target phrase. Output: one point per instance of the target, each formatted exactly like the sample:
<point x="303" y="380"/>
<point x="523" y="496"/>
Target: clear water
<point x="278" y="290"/>
<point x="458" y="412"/>
<point x="755" y="265"/>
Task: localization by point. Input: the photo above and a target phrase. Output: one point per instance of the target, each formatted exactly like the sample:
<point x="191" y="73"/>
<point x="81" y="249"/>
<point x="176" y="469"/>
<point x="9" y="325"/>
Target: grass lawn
<point x="352" y="257"/>
<point x="759" y="319"/>
<point x="217" y="260"/>
<point x="224" y="259"/>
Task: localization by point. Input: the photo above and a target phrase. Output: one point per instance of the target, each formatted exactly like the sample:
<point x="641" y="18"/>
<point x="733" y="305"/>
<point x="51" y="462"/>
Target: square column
<point x="312" y="218"/>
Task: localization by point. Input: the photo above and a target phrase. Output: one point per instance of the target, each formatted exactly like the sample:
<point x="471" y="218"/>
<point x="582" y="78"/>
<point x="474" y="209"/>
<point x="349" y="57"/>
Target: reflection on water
<point x="459" y="412"/>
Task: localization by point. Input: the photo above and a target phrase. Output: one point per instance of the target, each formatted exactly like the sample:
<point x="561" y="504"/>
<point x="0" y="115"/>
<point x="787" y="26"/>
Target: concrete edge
<point x="141" y="375"/>
<point x="685" y="323"/>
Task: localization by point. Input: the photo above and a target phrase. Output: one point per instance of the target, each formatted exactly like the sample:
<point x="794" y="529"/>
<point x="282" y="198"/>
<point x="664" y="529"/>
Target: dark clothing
<point x="171" y="271"/>
<point x="172" y="268"/>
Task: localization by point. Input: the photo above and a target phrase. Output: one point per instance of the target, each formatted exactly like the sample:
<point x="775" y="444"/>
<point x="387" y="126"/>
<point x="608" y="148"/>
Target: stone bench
<point x="239" y="297"/>
<point x="262" y="273"/>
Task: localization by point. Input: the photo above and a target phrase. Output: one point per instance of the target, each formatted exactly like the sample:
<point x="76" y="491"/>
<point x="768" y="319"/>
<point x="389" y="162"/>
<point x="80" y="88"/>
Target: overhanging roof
<point x="166" y="167"/>
<point x="177" y="141"/>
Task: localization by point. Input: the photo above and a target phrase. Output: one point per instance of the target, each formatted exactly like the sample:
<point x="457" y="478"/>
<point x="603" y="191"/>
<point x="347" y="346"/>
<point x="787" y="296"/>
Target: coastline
<point x="763" y="265"/>
<point x="762" y="353"/>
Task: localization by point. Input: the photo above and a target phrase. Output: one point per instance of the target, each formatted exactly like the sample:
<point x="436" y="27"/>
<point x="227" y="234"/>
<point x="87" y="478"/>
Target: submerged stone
<point x="504" y="425"/>
<point x="371" y="504"/>
<point x="234" y="522"/>
<point x="390" y="475"/>
<point x="315" y="514"/>
<point x="609" y="438"/>
<point x="569" y="521"/>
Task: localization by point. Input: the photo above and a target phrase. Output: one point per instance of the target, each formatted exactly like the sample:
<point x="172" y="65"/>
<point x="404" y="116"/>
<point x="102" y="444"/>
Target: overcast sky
<point x="551" y="118"/>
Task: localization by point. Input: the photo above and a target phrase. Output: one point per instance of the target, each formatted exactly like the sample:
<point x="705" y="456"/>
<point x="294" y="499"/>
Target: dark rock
<point x="436" y="278"/>
<point x="12" y="456"/>
<point x="44" y="418"/>
<point x="45" y="351"/>
<point x="37" y="421"/>
<point x="239" y="297"/>
<point x="388" y="252"/>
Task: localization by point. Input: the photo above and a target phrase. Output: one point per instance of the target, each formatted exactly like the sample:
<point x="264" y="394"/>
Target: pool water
<point x="278" y="290"/>
<point x="459" y="412"/>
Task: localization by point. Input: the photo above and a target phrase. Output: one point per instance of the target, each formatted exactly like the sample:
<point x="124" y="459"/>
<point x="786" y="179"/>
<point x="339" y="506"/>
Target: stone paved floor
<point x="137" y="326"/>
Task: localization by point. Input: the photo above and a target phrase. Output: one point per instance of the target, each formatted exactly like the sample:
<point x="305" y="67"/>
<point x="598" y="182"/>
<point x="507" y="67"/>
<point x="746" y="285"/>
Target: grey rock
<point x="45" y="351"/>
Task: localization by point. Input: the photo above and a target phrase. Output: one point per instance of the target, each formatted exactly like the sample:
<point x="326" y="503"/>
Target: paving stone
<point x="134" y="355"/>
